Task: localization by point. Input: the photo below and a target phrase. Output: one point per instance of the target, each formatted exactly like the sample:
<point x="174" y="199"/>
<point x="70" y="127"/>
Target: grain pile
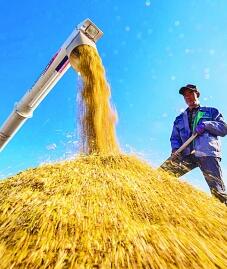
<point x="104" y="209"/>
<point x="97" y="117"/>
<point x="108" y="212"/>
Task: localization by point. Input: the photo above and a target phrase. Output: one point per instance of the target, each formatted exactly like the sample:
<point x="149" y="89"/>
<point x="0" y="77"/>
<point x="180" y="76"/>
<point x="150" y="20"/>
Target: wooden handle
<point x="186" y="143"/>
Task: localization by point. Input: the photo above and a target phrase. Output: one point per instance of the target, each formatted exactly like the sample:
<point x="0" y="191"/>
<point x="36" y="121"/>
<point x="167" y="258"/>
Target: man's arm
<point x="217" y="126"/>
<point x="175" y="138"/>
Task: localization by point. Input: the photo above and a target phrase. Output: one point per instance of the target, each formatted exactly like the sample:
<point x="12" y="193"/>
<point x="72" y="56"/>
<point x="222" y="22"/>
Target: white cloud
<point x="189" y="51"/>
<point x="51" y="146"/>
<point x="147" y="3"/>
<point x="206" y="72"/>
<point x="211" y="51"/>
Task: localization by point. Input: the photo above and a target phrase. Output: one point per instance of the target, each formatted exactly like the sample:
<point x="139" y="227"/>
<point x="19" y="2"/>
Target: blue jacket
<point x="207" y="144"/>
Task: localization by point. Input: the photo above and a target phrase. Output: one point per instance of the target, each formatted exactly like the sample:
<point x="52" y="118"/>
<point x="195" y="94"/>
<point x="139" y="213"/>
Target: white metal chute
<point x="86" y="33"/>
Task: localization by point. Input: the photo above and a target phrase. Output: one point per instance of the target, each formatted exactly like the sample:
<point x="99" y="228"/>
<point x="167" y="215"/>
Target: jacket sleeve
<point x="175" y="138"/>
<point x="217" y="125"/>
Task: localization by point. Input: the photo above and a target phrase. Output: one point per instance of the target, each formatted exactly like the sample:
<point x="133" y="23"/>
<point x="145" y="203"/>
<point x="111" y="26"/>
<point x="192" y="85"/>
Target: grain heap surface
<point x="108" y="212"/>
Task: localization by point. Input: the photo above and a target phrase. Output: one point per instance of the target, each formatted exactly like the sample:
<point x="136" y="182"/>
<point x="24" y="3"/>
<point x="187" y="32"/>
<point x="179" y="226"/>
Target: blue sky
<point x="149" y="49"/>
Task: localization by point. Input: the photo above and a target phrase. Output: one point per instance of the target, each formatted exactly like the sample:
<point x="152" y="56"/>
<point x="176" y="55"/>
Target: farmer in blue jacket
<point x="204" y="152"/>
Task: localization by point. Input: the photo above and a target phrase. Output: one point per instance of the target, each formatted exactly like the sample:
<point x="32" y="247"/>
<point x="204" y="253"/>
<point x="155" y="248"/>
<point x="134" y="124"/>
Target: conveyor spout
<point x="86" y="33"/>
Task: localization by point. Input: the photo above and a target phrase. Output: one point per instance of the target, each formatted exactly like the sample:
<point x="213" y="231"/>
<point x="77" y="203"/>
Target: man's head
<point x="191" y="95"/>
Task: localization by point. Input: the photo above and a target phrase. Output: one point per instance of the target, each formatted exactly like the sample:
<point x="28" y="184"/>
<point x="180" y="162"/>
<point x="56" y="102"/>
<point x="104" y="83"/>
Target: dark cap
<point x="189" y="87"/>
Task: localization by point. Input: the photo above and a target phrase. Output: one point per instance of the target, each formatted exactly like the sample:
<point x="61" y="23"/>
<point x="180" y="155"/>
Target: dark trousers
<point x="210" y="168"/>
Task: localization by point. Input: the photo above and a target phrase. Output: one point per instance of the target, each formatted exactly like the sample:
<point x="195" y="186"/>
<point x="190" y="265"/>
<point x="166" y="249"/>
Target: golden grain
<point x="97" y="118"/>
<point x="105" y="209"/>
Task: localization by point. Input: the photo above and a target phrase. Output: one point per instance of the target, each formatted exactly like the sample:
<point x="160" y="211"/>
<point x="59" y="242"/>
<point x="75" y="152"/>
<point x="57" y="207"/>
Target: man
<point x="204" y="152"/>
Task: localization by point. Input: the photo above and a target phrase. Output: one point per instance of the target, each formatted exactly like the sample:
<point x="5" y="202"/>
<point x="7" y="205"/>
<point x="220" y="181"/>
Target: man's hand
<point x="175" y="155"/>
<point x="200" y="128"/>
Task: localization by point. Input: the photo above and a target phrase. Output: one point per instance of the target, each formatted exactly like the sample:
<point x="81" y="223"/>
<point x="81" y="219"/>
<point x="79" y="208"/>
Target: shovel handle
<point x="167" y="165"/>
<point x="186" y="143"/>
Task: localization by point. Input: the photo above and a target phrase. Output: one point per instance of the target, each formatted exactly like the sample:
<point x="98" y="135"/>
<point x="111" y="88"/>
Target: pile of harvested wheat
<point x="105" y="209"/>
<point x="108" y="212"/>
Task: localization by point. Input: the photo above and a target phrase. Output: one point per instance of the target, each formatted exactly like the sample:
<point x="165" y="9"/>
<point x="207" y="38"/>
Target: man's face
<point x="191" y="98"/>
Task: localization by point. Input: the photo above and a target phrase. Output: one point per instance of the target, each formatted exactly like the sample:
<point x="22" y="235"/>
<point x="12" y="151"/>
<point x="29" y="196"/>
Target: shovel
<point x="169" y="161"/>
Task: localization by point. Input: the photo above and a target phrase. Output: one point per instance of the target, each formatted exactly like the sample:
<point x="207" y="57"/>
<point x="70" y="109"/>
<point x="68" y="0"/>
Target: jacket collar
<point x="196" y="108"/>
